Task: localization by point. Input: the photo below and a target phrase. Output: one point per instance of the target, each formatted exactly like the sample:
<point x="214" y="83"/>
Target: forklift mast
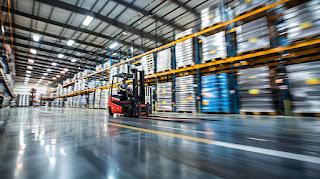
<point x="138" y="86"/>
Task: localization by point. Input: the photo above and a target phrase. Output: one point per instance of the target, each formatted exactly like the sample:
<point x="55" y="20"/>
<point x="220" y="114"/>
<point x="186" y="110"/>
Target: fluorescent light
<point x="63" y="72"/>
<point x="28" y="71"/>
<point x="73" y="60"/>
<point x="58" y="76"/>
<point x="60" y="56"/>
<point x="30" y="61"/>
<point x="70" y="42"/>
<point x="113" y="45"/>
<point x="30" y="67"/>
<point x="114" y="54"/>
<point x="49" y="69"/>
<point x="54" y="78"/>
<point x="43" y="77"/>
<point x="45" y="74"/>
<point x="28" y="75"/>
<point x="36" y="37"/>
<point x="87" y="20"/>
<point x="66" y="69"/>
<point x="33" y="51"/>
<point x="53" y="64"/>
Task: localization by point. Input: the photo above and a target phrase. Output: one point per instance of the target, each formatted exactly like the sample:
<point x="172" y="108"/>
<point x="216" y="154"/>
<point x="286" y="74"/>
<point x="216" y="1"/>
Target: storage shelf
<point x="199" y="33"/>
<point x="3" y="77"/>
<point x="225" y="61"/>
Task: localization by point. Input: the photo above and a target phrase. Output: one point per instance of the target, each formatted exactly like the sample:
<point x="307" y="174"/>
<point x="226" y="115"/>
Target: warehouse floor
<point x="85" y="143"/>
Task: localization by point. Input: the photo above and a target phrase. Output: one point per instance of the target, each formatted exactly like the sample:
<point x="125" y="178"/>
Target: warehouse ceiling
<point x="86" y="32"/>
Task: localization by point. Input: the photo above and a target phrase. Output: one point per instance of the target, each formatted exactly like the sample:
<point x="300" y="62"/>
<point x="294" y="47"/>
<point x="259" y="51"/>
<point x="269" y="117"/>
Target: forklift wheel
<point x="127" y="110"/>
<point x="110" y="112"/>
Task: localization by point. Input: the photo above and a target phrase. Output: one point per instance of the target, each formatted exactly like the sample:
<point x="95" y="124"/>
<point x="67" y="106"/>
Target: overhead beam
<point x="120" y="25"/>
<point x="39" y="68"/>
<point x="38" y="18"/>
<point x="46" y="62"/>
<point x="58" y="45"/>
<point x="53" y="52"/>
<point x="149" y="13"/>
<point x="186" y="7"/>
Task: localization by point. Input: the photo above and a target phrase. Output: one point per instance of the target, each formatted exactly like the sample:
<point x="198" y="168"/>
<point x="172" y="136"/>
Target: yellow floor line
<point x="180" y="136"/>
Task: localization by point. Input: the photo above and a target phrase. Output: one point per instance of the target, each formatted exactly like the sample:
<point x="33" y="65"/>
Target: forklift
<point x="134" y="104"/>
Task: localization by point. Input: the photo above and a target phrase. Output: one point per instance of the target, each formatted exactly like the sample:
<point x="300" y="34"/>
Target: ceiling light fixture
<point x="29" y="67"/>
<point x="73" y="60"/>
<point x="28" y="75"/>
<point x="33" y="51"/>
<point x="53" y="64"/>
<point x="28" y="71"/>
<point x="49" y="69"/>
<point x="63" y="72"/>
<point x="36" y="37"/>
<point x="58" y="76"/>
<point x="60" y="56"/>
<point x="54" y="78"/>
<point x="43" y="77"/>
<point x="113" y="45"/>
<point x="30" y="61"/>
<point x="66" y="69"/>
<point x="70" y="42"/>
<point x="87" y="20"/>
<point x="45" y="74"/>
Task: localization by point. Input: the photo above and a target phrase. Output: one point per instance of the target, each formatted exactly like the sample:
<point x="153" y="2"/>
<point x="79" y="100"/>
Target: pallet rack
<point x="276" y="55"/>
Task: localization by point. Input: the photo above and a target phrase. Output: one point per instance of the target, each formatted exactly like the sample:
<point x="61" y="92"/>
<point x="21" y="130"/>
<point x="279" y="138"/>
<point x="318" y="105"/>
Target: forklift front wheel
<point x="127" y="110"/>
<point x="110" y="112"/>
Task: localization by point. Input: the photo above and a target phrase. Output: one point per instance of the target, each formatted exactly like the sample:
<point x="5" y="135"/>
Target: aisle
<point x="86" y="143"/>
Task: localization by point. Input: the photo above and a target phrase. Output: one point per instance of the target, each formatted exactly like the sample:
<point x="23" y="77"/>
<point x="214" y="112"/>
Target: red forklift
<point x="133" y="105"/>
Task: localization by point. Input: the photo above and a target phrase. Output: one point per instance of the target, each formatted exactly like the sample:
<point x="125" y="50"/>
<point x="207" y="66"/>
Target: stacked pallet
<point x="211" y="15"/>
<point x="147" y="64"/>
<point x="104" y="99"/>
<point x="215" y="93"/>
<point x="83" y="101"/>
<point x="97" y="98"/>
<point x="305" y="87"/>
<point x="91" y="100"/>
<point x="164" y="60"/>
<point x="253" y="35"/>
<point x="241" y="6"/>
<point x="164" y="96"/>
<point x="302" y="21"/>
<point x="214" y="46"/>
<point x="113" y="71"/>
<point x="255" y="90"/>
<point x="184" y="50"/>
<point x="185" y="94"/>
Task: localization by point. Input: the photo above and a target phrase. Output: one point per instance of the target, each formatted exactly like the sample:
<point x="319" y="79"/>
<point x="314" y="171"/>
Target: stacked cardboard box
<point x="305" y="87"/>
<point x="186" y="94"/>
<point x="214" y="46"/>
<point x="253" y="35"/>
<point x="164" y="60"/>
<point x="164" y="96"/>
<point x="255" y="90"/>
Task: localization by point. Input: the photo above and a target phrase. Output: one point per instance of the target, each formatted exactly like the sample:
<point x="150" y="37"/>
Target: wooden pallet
<point x="259" y="113"/>
<point x="186" y="112"/>
<point x="253" y="51"/>
<point x="307" y="114"/>
<point x="163" y="111"/>
<point x="211" y="60"/>
<point x="305" y="39"/>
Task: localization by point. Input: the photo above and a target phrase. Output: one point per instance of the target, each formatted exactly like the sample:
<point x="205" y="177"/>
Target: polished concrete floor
<point x="86" y="143"/>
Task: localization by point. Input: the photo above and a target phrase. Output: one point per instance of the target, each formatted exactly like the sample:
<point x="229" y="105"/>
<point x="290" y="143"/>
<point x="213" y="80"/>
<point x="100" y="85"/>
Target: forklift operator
<point x="123" y="90"/>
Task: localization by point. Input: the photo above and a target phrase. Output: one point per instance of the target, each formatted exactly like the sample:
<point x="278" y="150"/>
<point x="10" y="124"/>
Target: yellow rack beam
<point x="227" y="60"/>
